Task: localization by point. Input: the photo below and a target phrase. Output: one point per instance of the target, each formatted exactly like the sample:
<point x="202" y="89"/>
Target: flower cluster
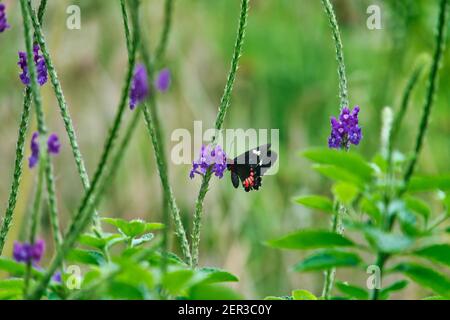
<point x="41" y="68"/>
<point x="211" y="157"/>
<point x="346" y="130"/>
<point x="3" y="23"/>
<point x="29" y="253"/>
<point x="32" y="253"/>
<point x="163" y="80"/>
<point x="139" y="87"/>
<point x="53" y="146"/>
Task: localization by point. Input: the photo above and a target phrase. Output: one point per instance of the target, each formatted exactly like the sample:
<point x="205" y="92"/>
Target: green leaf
<point x="214" y="275"/>
<point x="386" y="242"/>
<point x="316" y="202"/>
<point x="435" y="298"/>
<point x="369" y="207"/>
<point x="213" y="292"/>
<point x="11" y="284"/>
<point x="438" y="253"/>
<point x="311" y="239"/>
<point x="133" y="228"/>
<point x="418" y="206"/>
<point x="429" y="183"/>
<point x="327" y="260"/>
<point x="426" y="277"/>
<point x="17" y="269"/>
<point x="177" y="281"/>
<point x="339" y="174"/>
<point x="352" y="290"/>
<point x="275" y="298"/>
<point x="303" y="295"/>
<point x="88" y="257"/>
<point x="351" y="162"/>
<point x="145" y="238"/>
<point x="106" y="241"/>
<point x="345" y="192"/>
<point x="396" y="286"/>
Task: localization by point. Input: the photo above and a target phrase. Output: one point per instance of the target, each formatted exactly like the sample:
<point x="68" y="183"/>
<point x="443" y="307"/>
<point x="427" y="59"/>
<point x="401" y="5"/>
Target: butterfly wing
<point x="257" y="160"/>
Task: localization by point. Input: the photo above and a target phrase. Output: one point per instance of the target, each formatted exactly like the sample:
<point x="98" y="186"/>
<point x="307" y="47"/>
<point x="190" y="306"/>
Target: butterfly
<point x="250" y="166"/>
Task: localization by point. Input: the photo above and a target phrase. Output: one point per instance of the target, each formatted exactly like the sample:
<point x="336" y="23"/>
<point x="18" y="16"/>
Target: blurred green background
<point x="287" y="80"/>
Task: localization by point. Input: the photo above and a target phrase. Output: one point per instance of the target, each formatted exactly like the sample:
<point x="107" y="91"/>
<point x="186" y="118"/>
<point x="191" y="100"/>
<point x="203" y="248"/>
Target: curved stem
<point x="65" y="114"/>
<point x="431" y="88"/>
<point x="23" y="127"/>
<point x="161" y="48"/>
<point x="344" y="102"/>
<point x="94" y="193"/>
<point x="224" y="104"/>
<point x="343" y="90"/>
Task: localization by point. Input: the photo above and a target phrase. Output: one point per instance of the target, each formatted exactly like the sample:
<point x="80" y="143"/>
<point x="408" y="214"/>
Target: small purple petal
<point x="53" y="144"/>
<point x="163" y="80"/>
<point x="139" y="88"/>
<point x="34" y="146"/>
<point x="3" y="22"/>
<point x="346" y="130"/>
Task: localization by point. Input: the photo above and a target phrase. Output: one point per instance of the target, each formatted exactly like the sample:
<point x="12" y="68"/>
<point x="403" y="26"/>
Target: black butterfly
<point x="250" y="166"/>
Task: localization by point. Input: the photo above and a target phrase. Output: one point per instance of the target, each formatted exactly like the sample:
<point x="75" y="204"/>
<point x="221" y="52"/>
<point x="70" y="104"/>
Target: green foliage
<point x="311" y="239"/>
<point x="374" y="203"/>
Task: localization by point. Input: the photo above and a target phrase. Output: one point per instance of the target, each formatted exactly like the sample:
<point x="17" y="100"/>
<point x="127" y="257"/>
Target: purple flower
<point x="346" y="130"/>
<point x="213" y="158"/>
<point x="34" y="146"/>
<point x="163" y="80"/>
<point x="53" y="147"/>
<point x="41" y="68"/>
<point x="57" y="277"/>
<point x="29" y="253"/>
<point x="53" y="144"/>
<point x="139" y="87"/>
<point x="3" y="23"/>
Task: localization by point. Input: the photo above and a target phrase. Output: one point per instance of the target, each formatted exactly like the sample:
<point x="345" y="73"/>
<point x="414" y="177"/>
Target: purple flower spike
<point x="53" y="147"/>
<point x="53" y="144"/>
<point x="213" y="158"/>
<point x="346" y="130"/>
<point x="163" y="80"/>
<point x="34" y="146"/>
<point x="139" y="88"/>
<point x="41" y="68"/>
<point x="3" y="23"/>
<point x="25" y="252"/>
<point x="23" y="65"/>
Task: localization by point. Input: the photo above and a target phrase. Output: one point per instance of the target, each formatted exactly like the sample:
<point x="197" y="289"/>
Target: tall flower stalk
<point x="429" y="100"/>
<point x="23" y="128"/>
<point x="339" y="210"/>
<point x="155" y="133"/>
<point x="64" y="111"/>
<point x="96" y="190"/>
<point x="224" y="105"/>
<point x="431" y="87"/>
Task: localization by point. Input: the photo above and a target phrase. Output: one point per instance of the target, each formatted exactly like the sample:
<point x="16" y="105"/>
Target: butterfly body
<point x="249" y="167"/>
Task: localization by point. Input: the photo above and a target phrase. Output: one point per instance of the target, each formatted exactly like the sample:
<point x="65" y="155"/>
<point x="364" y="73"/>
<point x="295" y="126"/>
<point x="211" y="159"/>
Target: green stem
<point x="344" y="102"/>
<point x="155" y="131"/>
<point x="23" y="128"/>
<point x="94" y="193"/>
<point x="224" y="104"/>
<point x="65" y="114"/>
<point x="336" y="226"/>
<point x="431" y="89"/>
<point x="406" y="97"/>
<point x="35" y="218"/>
<point x="343" y="90"/>
<point x="161" y="48"/>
